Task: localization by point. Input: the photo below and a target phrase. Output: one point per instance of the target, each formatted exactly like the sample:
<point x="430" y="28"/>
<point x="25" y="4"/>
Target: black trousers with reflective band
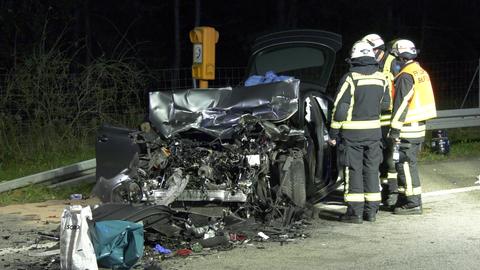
<point x="362" y="185"/>
<point x="409" y="186"/>
<point x="388" y="169"/>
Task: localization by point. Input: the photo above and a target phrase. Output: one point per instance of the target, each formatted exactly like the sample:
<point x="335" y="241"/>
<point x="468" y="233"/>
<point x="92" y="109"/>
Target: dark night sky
<point x="443" y="30"/>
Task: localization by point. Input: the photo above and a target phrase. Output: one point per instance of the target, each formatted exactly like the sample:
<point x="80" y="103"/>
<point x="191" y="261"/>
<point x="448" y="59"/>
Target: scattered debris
<point x="478" y="180"/>
<point x="161" y="250"/>
<point x="76" y="196"/>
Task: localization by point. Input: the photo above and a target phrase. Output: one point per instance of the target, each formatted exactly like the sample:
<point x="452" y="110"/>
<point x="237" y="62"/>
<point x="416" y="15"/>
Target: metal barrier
<point x="455" y="119"/>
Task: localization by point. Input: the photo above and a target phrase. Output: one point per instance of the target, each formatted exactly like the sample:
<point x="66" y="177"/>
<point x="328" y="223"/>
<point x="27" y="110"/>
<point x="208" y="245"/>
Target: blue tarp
<point x="269" y="77"/>
<point x="118" y="244"/>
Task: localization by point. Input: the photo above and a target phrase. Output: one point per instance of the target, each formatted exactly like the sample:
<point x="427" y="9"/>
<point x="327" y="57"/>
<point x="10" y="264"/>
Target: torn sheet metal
<point x="216" y="111"/>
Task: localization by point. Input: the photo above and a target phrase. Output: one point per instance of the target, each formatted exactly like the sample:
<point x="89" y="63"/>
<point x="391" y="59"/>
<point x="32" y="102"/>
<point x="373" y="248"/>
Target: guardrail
<point x="455" y="119"/>
<point x="82" y="170"/>
<point x="85" y="170"/>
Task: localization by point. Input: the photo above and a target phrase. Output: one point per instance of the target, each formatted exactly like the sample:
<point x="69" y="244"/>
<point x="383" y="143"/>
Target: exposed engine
<point x="196" y="167"/>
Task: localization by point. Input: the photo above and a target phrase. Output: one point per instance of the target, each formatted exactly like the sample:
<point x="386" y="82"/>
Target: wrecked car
<point x="251" y="147"/>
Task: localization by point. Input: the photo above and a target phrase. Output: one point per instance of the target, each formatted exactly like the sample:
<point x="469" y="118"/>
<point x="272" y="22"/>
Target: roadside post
<point x="204" y="39"/>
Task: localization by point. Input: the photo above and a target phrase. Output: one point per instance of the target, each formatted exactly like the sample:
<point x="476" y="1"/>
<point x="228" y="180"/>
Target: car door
<point x="308" y="55"/>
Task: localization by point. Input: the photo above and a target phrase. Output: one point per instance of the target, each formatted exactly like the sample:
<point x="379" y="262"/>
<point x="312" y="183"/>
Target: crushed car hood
<point x="217" y="111"/>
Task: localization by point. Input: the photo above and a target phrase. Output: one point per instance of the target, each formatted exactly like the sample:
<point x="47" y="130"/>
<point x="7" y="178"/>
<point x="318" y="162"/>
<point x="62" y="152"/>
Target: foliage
<point x="49" y="112"/>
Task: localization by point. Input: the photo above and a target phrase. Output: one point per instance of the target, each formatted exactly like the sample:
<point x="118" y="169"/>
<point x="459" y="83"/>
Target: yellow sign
<point x="204" y="39"/>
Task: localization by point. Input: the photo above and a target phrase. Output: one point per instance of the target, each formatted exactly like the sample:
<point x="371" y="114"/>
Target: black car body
<point x="257" y="145"/>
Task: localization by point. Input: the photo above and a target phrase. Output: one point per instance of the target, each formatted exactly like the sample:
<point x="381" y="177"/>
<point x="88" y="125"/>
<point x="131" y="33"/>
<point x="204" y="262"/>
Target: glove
<point x="334" y="134"/>
<point x="394" y="134"/>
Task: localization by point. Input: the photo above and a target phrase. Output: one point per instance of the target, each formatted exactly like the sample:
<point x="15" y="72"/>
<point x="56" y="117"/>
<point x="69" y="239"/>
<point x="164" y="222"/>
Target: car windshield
<point x="305" y="63"/>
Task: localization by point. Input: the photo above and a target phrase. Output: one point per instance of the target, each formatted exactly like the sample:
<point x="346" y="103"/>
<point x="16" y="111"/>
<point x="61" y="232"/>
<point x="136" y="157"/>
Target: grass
<point x="40" y="193"/>
<point x="45" y="161"/>
<point x="457" y="150"/>
<point x="464" y="143"/>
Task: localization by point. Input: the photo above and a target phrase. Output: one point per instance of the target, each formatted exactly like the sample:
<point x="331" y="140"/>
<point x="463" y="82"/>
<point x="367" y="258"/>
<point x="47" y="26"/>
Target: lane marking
<point x="427" y="197"/>
<point x="34" y="246"/>
<point x="449" y="191"/>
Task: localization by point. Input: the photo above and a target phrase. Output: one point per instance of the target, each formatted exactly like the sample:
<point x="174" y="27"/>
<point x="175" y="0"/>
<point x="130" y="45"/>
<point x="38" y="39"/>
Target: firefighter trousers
<point x="388" y="171"/>
<point x="409" y="187"/>
<point x="362" y="184"/>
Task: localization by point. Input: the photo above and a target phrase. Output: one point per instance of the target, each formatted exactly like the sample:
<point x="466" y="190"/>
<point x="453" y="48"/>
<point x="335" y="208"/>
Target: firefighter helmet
<point x="404" y="48"/>
<point x="375" y="41"/>
<point x="362" y="49"/>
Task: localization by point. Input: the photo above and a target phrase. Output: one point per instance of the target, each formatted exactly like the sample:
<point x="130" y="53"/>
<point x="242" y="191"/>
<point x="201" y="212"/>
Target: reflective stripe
<point x="415" y="127"/>
<point x="425" y="112"/>
<point x="377" y="75"/>
<point x="411" y="135"/>
<point x="385" y="119"/>
<point x="345" y="85"/>
<point x="373" y="197"/>
<point x="415" y="130"/>
<point x="369" y="124"/>
<point x="354" y="197"/>
<point x="336" y="124"/>
<point x="371" y="82"/>
<point x="396" y="118"/>
<point x="347" y="179"/>
<point x="385" y="116"/>
<point x="352" y="102"/>
<point x="408" y="179"/>
<point x="392" y="175"/>
<point x="388" y="64"/>
<point x="348" y="82"/>
<point x="415" y="191"/>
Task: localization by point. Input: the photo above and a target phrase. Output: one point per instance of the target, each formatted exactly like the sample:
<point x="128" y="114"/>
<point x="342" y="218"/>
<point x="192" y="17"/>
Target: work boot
<point x="351" y="219"/>
<point x="369" y="217"/>
<point x="408" y="210"/>
<point x="392" y="199"/>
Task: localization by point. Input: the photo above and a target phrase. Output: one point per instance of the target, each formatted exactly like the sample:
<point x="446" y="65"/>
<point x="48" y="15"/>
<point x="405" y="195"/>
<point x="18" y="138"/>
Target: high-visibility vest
<point x="385" y="117"/>
<point x="422" y="104"/>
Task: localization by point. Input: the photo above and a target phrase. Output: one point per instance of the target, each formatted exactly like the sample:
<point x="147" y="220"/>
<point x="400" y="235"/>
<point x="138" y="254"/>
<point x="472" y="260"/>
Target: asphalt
<point x="446" y="236"/>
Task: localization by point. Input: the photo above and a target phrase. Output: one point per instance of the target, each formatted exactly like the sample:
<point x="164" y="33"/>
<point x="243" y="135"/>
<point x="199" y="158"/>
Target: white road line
<point x="5" y="251"/>
<point x="427" y="197"/>
<point x="449" y="191"/>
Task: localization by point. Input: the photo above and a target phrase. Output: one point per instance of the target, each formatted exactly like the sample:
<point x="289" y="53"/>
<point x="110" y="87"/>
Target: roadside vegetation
<point x="51" y="106"/>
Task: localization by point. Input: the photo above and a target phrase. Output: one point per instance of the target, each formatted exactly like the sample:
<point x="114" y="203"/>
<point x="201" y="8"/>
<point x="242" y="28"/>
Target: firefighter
<point x="362" y="93"/>
<point x="388" y="173"/>
<point x="413" y="104"/>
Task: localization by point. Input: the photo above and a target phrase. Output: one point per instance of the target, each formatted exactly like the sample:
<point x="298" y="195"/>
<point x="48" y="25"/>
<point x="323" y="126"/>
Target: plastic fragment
<point x="162" y="250"/>
<point x="263" y="235"/>
<point x="197" y="247"/>
<point x="184" y="252"/>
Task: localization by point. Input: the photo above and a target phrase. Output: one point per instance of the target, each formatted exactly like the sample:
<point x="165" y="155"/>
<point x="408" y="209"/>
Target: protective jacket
<point x="362" y="94"/>
<point x="387" y="66"/>
<point x="413" y="104"/>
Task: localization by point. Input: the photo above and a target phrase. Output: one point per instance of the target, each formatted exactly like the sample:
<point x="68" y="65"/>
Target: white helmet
<point x="404" y="48"/>
<point x="375" y="40"/>
<point x="362" y="49"/>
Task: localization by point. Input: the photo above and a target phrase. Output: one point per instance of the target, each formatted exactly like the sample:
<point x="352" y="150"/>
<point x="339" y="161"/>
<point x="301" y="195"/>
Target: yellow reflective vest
<point x="386" y="117"/>
<point x="421" y="106"/>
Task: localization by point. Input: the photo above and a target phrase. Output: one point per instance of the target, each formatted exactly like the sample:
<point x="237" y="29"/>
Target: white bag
<point x="76" y="249"/>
